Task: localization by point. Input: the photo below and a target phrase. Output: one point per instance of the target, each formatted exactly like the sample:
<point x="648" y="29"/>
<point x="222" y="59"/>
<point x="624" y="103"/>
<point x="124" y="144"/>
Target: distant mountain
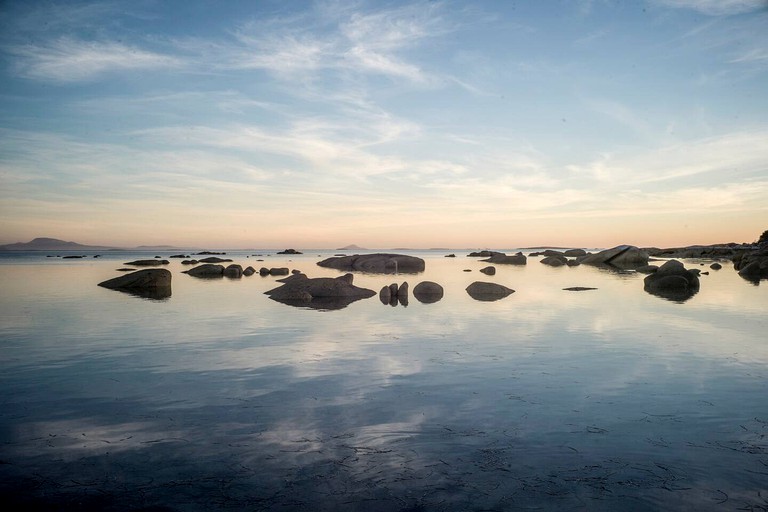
<point x="352" y="247"/>
<point x="53" y="244"/>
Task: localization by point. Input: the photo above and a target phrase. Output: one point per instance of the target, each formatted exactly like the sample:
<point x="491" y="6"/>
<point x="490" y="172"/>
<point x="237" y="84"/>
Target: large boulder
<point x="622" y="257"/>
<point x="503" y="259"/>
<point x="206" y="271"/>
<point x="234" y="271"/>
<point x="672" y="281"/>
<point x="428" y="292"/>
<point x="555" y="260"/>
<point x="151" y="283"/>
<point x="319" y="292"/>
<point x="214" y="259"/>
<point x="378" y="263"/>
<point x="483" y="291"/>
<point x="489" y="270"/>
<point x="575" y="253"/>
<point x="753" y="265"/>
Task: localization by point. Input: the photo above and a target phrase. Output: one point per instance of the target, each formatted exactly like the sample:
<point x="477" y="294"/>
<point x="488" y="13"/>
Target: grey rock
<point x="281" y="271"/>
<point x="555" y="261"/>
<point x="500" y="258"/>
<point x="488" y="291"/>
<point x="575" y="253"/>
<point x="428" y="292"/>
<point x="149" y="283"/>
<point x="234" y="271"/>
<point x="672" y="281"/>
<point x="573" y="263"/>
<point x="621" y="257"/>
<point x="647" y="269"/>
<point x="378" y="263"/>
<point x="716" y="266"/>
<point x="489" y="271"/>
<point x="190" y="262"/>
<point x="214" y="259"/>
<point x="206" y="270"/>
<point x="319" y="293"/>
<point x="147" y="263"/>
<point x="249" y="271"/>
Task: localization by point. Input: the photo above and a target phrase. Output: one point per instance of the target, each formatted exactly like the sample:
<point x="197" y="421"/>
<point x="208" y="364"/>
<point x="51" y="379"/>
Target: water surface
<point x="220" y="398"/>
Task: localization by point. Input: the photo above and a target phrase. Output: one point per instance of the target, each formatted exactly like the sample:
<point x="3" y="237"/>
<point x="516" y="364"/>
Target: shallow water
<point x="221" y="398"/>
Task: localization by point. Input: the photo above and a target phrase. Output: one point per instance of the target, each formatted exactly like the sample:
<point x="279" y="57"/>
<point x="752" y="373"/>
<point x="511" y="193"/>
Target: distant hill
<point x="352" y="247"/>
<point x="53" y="244"/>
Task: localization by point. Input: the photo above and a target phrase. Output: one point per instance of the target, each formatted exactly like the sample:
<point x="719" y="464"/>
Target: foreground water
<point x="220" y="398"/>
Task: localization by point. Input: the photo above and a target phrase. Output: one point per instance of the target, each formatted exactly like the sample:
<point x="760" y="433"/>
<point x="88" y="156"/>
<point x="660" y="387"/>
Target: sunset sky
<point x="384" y="124"/>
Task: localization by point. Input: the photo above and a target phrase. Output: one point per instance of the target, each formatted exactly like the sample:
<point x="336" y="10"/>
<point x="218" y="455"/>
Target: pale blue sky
<point x="423" y="124"/>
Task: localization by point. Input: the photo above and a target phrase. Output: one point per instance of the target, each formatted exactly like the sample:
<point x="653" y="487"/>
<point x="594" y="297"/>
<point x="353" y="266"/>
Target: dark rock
<point x="575" y="253"/>
<point x="206" y="271"/>
<point x="500" y="258"/>
<point x="149" y="283"/>
<point x="489" y="271"/>
<point x="467" y="270"/>
<point x="234" y="271"/>
<point x="214" y="259"/>
<point x="753" y="265"/>
<point x="263" y="271"/>
<point x="428" y="292"/>
<point x="555" y="261"/>
<point x="376" y="263"/>
<point x="126" y="269"/>
<point x="573" y="263"/>
<point x="190" y="262"/>
<point x="319" y="293"/>
<point x="450" y="255"/>
<point x="402" y="294"/>
<point x="621" y="257"/>
<point x="178" y="256"/>
<point x="289" y="251"/>
<point x="647" y="269"/>
<point x="147" y="263"/>
<point x="672" y="281"/>
<point x="249" y="271"/>
<point x="716" y="266"/>
<point x="281" y="271"/>
<point x="578" y="289"/>
<point x="488" y="291"/>
<point x="385" y="295"/>
<point x="209" y="252"/>
<point x="72" y="257"/>
<point x="480" y="254"/>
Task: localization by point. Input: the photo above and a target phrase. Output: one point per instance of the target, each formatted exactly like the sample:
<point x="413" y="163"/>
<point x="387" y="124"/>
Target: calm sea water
<point x="219" y="398"/>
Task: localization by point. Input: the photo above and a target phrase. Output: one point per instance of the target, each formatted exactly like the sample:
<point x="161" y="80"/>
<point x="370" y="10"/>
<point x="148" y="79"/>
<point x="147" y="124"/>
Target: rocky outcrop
<point x="500" y="258"/>
<point x="428" y="292"/>
<point x="753" y="265"/>
<point x="190" y="262"/>
<point x="726" y="251"/>
<point x="672" y="281"/>
<point x="480" y="254"/>
<point x="289" y="251"/>
<point x="621" y="257"/>
<point x="320" y="292"/>
<point x="489" y="270"/>
<point x="206" y="271"/>
<point x="575" y="253"/>
<point x="488" y="291"/>
<point x="147" y="263"/>
<point x="149" y="283"/>
<point x="378" y="263"/>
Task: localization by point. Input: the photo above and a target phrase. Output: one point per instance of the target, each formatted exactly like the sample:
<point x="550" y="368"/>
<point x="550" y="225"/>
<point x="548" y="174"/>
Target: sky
<point x="317" y="124"/>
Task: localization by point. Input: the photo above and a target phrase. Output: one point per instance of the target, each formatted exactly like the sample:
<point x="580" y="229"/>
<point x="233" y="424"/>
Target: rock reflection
<point x="488" y="292"/>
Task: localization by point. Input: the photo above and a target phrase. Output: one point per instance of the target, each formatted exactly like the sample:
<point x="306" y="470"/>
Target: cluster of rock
<point x="375" y="263"/>
<point x="620" y="257"/>
<point x="289" y="251"/>
<point x="501" y="258"/>
<point x="673" y="281"/>
<point x="212" y="270"/>
<point x="147" y="263"/>
<point x="394" y="294"/>
<point x="274" y="271"/>
<point x="752" y="265"/>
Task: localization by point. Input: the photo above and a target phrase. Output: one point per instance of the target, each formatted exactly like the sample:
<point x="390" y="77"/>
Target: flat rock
<point x="500" y="258"/>
<point x="147" y="263"/>
<point x="379" y="263"/>
<point x="488" y="291"/>
<point x="578" y="289"/>
<point x="214" y="259"/>
<point x="320" y="292"/>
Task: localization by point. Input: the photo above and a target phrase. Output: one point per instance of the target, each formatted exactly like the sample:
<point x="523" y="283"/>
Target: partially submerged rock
<point x="621" y="257"/>
<point x="319" y="292"/>
<point x="394" y="294"/>
<point x="555" y="260"/>
<point x="672" y="281"/>
<point x="149" y="283"/>
<point x="428" y="292"/>
<point x="214" y="259"/>
<point x="753" y="266"/>
<point x="289" y="251"/>
<point x="233" y="271"/>
<point x="488" y="291"/>
<point x="249" y="271"/>
<point x="206" y="271"/>
<point x="378" y="263"/>
<point x="489" y="270"/>
<point x="502" y="259"/>
<point x="579" y="289"/>
<point x="147" y="263"/>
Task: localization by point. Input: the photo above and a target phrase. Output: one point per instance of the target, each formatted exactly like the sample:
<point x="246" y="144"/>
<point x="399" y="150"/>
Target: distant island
<point x="54" y="244"/>
<point x="352" y="247"/>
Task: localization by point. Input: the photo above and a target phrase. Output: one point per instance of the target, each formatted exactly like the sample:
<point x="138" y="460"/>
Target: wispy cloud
<point x="70" y="60"/>
<point x="717" y="7"/>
